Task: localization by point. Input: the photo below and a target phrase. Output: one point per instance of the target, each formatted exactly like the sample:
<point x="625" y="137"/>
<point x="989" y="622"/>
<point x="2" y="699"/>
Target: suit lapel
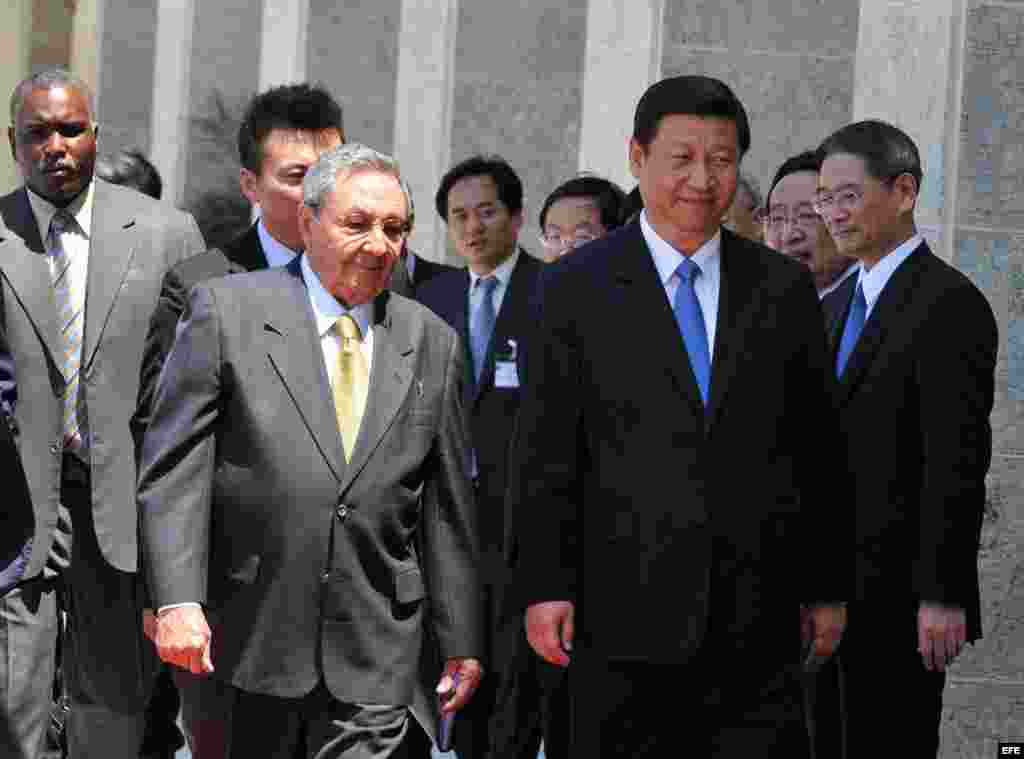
<point x="891" y="302"/>
<point x="24" y="264"/>
<point x="390" y="382"/>
<point x="297" y="358"/>
<point x="735" y="297"/>
<point x="112" y="245"/>
<point x="247" y="251"/>
<point x="645" y="300"/>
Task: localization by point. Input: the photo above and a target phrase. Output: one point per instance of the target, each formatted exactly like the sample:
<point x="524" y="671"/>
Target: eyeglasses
<point x="557" y="242"/>
<point x="394" y="231"/>
<point x="778" y="220"/>
<point x="845" y="200"/>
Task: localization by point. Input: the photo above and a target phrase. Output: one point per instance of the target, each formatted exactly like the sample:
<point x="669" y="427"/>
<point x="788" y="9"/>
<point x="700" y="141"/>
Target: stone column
<point x="15" y="36"/>
<point x="423" y="112"/>
<point x="283" y="48"/>
<point x="948" y="72"/>
<point x="85" y="36"/>
<point x="623" y="58"/>
<point x="169" y="142"/>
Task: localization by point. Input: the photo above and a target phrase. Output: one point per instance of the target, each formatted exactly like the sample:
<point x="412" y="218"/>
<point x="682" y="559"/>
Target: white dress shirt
<point x="874" y="281"/>
<point x="326" y="311"/>
<point x="276" y="253"/>
<point x="504" y="275"/>
<point x="707" y="286"/>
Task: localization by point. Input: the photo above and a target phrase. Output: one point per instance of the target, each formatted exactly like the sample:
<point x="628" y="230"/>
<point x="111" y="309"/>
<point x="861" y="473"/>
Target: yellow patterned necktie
<point x="351" y="383"/>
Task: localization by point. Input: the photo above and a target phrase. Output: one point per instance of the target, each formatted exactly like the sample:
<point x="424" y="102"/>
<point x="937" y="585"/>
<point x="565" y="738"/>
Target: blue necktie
<point x="852" y="330"/>
<point x="481" y="326"/>
<point x="691" y="325"/>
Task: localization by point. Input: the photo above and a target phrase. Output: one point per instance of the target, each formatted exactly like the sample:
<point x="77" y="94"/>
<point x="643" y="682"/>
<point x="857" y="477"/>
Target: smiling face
<point x="277" y="189"/>
<point x="792" y="225"/>
<point x="688" y="175"/>
<point x="54" y="143"/>
<point x="574" y="218"/>
<point x="869" y="217"/>
<point x="354" y="244"/>
<point x="482" y="228"/>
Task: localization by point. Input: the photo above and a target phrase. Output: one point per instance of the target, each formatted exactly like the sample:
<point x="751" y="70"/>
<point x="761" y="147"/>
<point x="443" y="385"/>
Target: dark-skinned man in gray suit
<point x="82" y="264"/>
<point x="304" y="489"/>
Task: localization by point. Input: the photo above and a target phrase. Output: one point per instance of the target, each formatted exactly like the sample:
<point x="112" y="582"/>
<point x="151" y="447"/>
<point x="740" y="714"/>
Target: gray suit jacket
<point x="309" y="567"/>
<point x="134" y="241"/>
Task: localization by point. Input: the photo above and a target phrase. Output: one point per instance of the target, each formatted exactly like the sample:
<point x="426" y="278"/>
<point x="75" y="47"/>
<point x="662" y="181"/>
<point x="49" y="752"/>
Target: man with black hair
<point x="579" y="211"/>
<point x="915" y="354"/>
<point x="488" y="304"/>
<point x="671" y="460"/>
<point x="283" y="132"/>
<point x="130" y="168"/>
<point x="793" y="227"/>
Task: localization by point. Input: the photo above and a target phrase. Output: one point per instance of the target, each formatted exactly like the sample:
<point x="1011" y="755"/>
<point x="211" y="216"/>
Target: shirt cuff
<point x="162" y="609"/>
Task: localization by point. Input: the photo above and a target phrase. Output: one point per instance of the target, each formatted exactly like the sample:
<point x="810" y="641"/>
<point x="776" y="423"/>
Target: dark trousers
<point x="825" y="710"/>
<point x="108" y="665"/>
<point x="316" y="726"/>
<point x="205" y="713"/>
<point x="888" y="691"/>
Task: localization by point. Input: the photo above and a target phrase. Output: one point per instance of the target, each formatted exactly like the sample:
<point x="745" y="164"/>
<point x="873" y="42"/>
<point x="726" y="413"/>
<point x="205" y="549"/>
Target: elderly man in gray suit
<point x="82" y="265"/>
<point x="304" y="490"/>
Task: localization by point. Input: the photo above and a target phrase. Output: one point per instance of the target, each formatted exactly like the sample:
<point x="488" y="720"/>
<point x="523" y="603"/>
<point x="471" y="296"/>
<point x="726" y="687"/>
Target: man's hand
<point x="149" y="624"/>
<point x="470" y="673"/>
<point x="826" y="624"/>
<point x="941" y="634"/>
<point x="550" y="628"/>
<point x="183" y="638"/>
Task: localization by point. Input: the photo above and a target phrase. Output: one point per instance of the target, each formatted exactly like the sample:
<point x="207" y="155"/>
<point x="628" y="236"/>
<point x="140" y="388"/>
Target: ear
<point x="249" y="183"/>
<point x="906" y="190"/>
<point x="517" y="221"/>
<point x="637" y="155"/>
<point x="306" y="222"/>
<point x="11" y="137"/>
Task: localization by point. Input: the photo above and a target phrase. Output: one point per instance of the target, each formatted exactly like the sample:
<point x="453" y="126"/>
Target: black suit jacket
<point x="914" y="401"/>
<point x="312" y="568"/>
<point x="649" y="511"/>
<point x="834" y="304"/>
<point x="423" y="270"/>
<point x="493" y="409"/>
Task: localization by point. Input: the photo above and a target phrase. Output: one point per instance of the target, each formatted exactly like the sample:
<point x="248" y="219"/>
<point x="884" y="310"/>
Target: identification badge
<point x="505" y="372"/>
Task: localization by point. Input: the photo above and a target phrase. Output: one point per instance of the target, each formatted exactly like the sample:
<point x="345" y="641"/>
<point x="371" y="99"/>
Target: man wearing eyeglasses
<point x="580" y="211"/>
<point x="488" y="304"/>
<point x="793" y="227"/>
<point x="915" y="355"/>
<point x="304" y="492"/>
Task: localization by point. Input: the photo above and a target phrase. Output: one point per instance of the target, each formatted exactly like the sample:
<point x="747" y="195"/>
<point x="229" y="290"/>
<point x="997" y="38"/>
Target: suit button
<point x="341" y="512"/>
<point x="56" y="450"/>
<point x="325" y="577"/>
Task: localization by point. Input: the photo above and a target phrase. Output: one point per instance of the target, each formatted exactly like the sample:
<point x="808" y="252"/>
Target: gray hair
<point x="752" y="188"/>
<point x="322" y="177"/>
<point x="48" y="79"/>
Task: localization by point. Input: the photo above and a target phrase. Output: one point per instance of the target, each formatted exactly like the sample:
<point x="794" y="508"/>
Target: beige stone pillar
<point x="15" y="37"/>
<point x="85" y="36"/>
<point x="170" y="93"/>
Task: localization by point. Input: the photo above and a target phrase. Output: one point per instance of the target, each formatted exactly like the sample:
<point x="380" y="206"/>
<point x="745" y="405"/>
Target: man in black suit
<point x="412" y="271"/>
<point x="319" y="511"/>
<point x="282" y="133"/>
<point x="672" y="454"/>
<point x="488" y="304"/>
<point x="792" y="227"/>
<point x="915" y="353"/>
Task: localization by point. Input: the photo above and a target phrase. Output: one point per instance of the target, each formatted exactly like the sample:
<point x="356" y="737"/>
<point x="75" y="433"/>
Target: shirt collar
<point x="80" y="208"/>
<point x="853" y="268"/>
<point x="326" y="308"/>
<point x="503" y="273"/>
<point x="873" y="281"/>
<point x="276" y="253"/>
<point x="667" y="258"/>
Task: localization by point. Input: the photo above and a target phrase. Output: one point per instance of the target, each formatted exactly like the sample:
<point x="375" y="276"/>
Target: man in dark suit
<point x="83" y="261"/>
<point x="915" y="353"/>
<point x="316" y="510"/>
<point x="481" y="200"/>
<point x="672" y="453"/>
<point x="412" y="271"/>
<point x="794" y="229"/>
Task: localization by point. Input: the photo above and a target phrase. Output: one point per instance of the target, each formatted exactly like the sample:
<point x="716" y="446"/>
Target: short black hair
<point x="131" y="169"/>
<point x="610" y="199"/>
<point x="295" y="107"/>
<point x="689" y="96"/>
<point x="510" y="187"/>
<point x="809" y="160"/>
<point x="887" y="151"/>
